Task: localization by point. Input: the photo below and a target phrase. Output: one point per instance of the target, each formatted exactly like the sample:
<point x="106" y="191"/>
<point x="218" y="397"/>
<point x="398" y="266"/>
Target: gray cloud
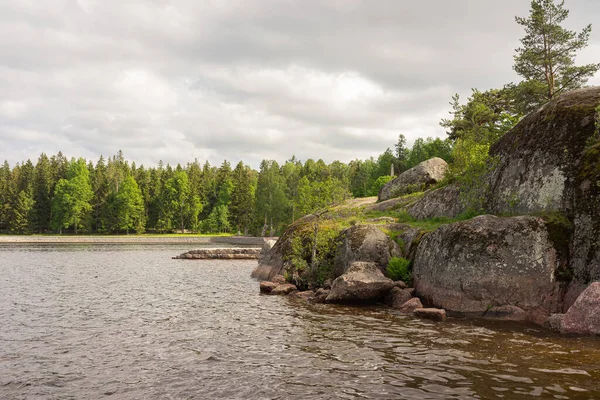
<point x="178" y="80"/>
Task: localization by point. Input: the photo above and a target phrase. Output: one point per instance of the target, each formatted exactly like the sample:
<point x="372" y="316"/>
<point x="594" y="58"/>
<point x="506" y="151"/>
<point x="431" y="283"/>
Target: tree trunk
<point x="264" y="229"/>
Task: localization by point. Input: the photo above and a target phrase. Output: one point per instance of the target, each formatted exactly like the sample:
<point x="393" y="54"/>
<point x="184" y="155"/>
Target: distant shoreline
<point x="133" y="239"/>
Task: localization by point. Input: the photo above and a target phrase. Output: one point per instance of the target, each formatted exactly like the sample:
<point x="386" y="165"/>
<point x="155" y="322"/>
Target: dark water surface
<point x="127" y="322"/>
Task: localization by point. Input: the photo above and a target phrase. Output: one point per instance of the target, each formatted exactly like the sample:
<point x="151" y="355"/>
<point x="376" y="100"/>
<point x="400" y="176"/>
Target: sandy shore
<point x="228" y="240"/>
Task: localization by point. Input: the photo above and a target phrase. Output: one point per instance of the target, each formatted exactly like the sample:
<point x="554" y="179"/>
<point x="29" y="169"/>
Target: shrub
<point x="399" y="269"/>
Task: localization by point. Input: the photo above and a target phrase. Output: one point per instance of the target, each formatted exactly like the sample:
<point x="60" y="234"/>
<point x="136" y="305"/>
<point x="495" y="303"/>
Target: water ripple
<point x="128" y="322"/>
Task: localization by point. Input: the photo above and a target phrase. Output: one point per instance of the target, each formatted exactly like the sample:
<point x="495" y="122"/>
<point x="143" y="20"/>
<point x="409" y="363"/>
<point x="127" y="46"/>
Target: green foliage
<point x="71" y="202"/>
<point x="400" y="269"/>
<point x="475" y="188"/>
<point x="547" y="54"/>
<point x="424" y="149"/>
<point x="484" y="118"/>
<point x="378" y="184"/>
<point x="21" y="221"/>
<point x="302" y="269"/>
<point x="130" y="207"/>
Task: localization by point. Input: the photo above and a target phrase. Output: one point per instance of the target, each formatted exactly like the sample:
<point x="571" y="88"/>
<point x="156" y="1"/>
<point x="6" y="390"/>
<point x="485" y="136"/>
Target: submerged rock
<point x="435" y="314"/>
<point x="363" y="282"/>
<point x="416" y="179"/>
<point x="506" y="313"/>
<point x="471" y="266"/>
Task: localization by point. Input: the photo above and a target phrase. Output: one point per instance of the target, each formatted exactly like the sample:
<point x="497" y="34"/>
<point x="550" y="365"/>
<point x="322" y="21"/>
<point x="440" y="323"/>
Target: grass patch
<point x="400" y="269"/>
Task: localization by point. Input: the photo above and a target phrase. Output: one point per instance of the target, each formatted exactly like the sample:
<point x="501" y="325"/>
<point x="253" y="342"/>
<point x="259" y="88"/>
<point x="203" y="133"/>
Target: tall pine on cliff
<point x="547" y="56"/>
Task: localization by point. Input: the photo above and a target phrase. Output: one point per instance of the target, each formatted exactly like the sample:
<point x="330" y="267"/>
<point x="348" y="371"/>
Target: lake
<point x="128" y="322"/>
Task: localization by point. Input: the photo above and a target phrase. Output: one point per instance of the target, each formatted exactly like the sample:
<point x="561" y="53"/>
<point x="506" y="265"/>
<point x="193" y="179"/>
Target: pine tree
<point x="22" y="210"/>
<point x="42" y="194"/>
<point x="5" y="196"/>
<point x="547" y="56"/>
<point x="242" y="198"/>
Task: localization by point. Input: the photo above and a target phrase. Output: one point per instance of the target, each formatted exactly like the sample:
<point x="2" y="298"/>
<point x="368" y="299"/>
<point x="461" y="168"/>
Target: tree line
<point x="114" y="195"/>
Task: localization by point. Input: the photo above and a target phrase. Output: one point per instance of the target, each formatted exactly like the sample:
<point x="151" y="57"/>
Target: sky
<point x="250" y="79"/>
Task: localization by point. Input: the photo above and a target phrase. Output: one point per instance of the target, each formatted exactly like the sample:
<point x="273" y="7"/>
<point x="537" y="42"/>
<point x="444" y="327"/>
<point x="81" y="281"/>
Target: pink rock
<point x="435" y="314"/>
<point x="411" y="305"/>
<point x="583" y="318"/>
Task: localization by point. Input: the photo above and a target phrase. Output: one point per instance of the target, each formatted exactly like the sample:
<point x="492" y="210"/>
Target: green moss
<point x="591" y="162"/>
<point x="395" y="236"/>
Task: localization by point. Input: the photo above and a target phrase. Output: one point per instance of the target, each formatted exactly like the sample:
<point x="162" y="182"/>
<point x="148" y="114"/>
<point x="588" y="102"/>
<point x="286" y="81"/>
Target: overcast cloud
<point x="249" y="79"/>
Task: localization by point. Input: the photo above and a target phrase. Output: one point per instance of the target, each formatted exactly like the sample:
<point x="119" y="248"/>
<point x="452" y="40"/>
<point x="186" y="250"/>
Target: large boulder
<point x="473" y="266"/>
<point x="275" y="260"/>
<point x="363" y="282"/>
<point x="442" y="202"/>
<point x="416" y="179"/>
<point x="550" y="162"/>
<point x="364" y="243"/>
<point x="583" y="318"/>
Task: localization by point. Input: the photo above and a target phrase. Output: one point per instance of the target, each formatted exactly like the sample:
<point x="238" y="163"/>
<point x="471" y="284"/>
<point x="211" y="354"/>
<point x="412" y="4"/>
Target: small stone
<point x="284" y="289"/>
<point x="435" y="314"/>
<point x="267" y="287"/>
<point x="305" y="295"/>
<point x="320" y="296"/>
<point x="397" y="297"/>
<point x="410" y="306"/>
<point x="400" y="284"/>
<point x="279" y="279"/>
<point x="554" y="322"/>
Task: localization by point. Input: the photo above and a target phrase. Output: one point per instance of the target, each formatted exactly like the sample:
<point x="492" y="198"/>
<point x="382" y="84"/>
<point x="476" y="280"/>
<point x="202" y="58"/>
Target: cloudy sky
<point x="249" y="79"/>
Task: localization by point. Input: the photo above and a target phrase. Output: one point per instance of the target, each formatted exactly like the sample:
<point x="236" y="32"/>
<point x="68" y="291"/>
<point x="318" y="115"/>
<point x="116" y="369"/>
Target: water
<point x="127" y="322"/>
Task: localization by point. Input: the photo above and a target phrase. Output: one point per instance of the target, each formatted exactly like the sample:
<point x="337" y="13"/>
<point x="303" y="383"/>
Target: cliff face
<point x="550" y="162"/>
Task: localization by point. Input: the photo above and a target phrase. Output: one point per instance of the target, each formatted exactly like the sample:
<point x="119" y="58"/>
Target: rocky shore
<point x="532" y="256"/>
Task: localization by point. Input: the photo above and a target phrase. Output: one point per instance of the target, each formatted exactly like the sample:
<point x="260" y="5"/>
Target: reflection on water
<point x="88" y="321"/>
